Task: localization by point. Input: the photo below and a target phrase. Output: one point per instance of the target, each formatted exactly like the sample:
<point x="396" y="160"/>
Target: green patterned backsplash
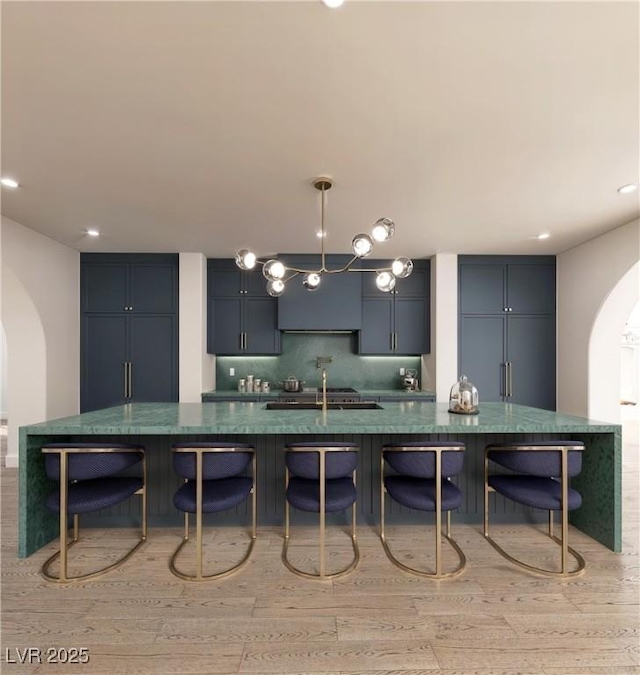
<point x="299" y="353"/>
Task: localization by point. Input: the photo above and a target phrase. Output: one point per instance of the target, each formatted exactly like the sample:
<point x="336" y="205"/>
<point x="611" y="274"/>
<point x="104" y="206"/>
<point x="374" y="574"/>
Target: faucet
<point x="324" y="390"/>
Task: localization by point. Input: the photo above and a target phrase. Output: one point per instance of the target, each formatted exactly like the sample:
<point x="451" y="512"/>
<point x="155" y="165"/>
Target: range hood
<point x="334" y="307"/>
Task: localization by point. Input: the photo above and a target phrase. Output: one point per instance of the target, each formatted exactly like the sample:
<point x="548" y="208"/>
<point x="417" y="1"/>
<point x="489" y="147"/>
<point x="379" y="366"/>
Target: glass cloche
<point x="463" y="399"/>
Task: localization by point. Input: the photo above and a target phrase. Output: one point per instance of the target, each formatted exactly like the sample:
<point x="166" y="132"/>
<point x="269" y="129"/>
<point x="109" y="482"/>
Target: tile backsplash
<point x="298" y="358"/>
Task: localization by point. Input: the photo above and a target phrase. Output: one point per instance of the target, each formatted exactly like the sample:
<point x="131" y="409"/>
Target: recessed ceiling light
<point x="626" y="189"/>
<point x="321" y="234"/>
<point x="9" y="182"/>
<point x="333" y="4"/>
<point x="544" y="235"/>
<point x="93" y="233"/>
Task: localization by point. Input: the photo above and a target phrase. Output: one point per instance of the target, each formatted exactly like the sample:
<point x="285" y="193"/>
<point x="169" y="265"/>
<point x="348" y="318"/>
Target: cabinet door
<point x="153" y="288"/>
<point x="531" y="347"/>
<point x="224" y="279"/>
<point x="482" y="289"/>
<point x="377" y="326"/>
<point x="104" y="287"/>
<point x="104" y="353"/>
<point x="411" y="326"/>
<point x="224" y="326"/>
<point x="531" y="289"/>
<point x="153" y="357"/>
<point x="261" y="326"/>
<point x="417" y="284"/>
<point x="482" y="346"/>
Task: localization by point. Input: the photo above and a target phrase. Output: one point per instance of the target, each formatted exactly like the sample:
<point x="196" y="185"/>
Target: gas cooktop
<point x="339" y="390"/>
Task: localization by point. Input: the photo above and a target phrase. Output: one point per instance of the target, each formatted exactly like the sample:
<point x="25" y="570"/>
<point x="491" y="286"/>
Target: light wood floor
<point x="493" y="620"/>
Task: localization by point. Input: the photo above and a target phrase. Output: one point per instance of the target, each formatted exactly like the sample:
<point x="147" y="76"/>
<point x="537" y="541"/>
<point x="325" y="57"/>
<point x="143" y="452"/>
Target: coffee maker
<point x="410" y="380"/>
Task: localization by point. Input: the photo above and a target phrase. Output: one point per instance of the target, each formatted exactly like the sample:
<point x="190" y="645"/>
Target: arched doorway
<point x="26" y="375"/>
<point x="604" y="347"/>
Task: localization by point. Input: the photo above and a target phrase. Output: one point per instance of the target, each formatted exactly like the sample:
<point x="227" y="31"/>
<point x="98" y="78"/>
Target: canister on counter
<point x="266" y="387"/>
<point x="242" y="385"/>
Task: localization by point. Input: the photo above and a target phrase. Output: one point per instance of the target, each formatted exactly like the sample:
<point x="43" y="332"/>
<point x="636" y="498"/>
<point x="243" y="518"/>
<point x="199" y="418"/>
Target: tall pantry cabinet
<point x="507" y="328"/>
<point x="129" y="329"/>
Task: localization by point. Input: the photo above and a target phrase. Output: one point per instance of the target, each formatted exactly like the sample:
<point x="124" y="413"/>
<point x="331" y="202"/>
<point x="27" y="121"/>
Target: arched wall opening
<point x="40" y="301"/>
<point x="26" y="361"/>
<point x="604" y="346"/>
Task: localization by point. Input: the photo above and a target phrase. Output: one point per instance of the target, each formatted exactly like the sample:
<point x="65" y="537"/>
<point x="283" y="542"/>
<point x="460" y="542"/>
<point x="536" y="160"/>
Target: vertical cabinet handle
<point x="127" y="379"/>
<point x="245" y="341"/>
<point x="391" y="341"/>
<point x="510" y="378"/>
<point x="130" y="380"/>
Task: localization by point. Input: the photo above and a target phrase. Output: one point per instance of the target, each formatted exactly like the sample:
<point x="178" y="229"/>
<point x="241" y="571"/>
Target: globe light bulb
<point x="275" y="288"/>
<point x="401" y="268"/>
<point x="362" y="245"/>
<point x="245" y="260"/>
<point x="383" y="229"/>
<point x="311" y="281"/>
<point x="385" y="281"/>
<point x="273" y="270"/>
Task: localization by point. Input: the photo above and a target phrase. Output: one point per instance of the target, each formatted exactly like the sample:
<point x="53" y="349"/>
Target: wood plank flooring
<point x="493" y="620"/>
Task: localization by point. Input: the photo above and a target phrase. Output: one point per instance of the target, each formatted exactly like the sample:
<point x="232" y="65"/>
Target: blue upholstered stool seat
<point x="304" y="494"/>
<point x="215" y="465"/>
<point x="420" y="494"/>
<point x="93" y="495"/>
<point x="535" y="491"/>
<point x="217" y="495"/>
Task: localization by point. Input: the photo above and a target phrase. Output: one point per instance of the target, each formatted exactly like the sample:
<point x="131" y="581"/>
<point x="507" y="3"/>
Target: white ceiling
<point x="179" y="126"/>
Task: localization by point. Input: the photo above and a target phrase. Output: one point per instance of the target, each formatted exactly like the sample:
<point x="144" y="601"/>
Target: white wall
<point x="597" y="276"/>
<point x="3" y="373"/>
<point x="440" y="367"/>
<point x="40" y="300"/>
<point x="197" y="368"/>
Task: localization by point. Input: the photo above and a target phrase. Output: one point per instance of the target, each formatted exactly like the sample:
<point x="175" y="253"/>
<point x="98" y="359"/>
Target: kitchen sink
<point x="347" y="405"/>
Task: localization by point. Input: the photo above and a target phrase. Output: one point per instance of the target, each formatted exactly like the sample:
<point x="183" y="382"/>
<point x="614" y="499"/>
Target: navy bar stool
<point x="87" y="479"/>
<point x="541" y="480"/>
<point x="320" y="477"/>
<point x="214" y="481"/>
<point x="421" y="481"/>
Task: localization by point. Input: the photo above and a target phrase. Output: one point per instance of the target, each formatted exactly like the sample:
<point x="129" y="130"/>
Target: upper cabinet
<point x="145" y="283"/>
<point x="493" y="285"/>
<point x="241" y="316"/>
<point x="335" y="305"/>
<point x="396" y="322"/>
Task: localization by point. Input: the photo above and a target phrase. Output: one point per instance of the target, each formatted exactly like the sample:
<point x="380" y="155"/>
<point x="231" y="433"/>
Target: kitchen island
<point x="158" y="425"/>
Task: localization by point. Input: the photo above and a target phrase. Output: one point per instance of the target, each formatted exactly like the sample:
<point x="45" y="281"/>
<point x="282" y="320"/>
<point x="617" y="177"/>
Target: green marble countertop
<point x="404" y="417"/>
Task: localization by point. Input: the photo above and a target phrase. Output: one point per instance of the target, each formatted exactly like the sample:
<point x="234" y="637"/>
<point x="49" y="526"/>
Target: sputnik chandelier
<point x="278" y="274"/>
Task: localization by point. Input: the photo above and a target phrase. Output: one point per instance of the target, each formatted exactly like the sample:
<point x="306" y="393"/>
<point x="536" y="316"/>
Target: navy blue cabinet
<point x="396" y="322"/>
<point x="507" y="328"/>
<point x="241" y="315"/>
<point x="335" y="305"/>
<point x="129" y="329"/>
